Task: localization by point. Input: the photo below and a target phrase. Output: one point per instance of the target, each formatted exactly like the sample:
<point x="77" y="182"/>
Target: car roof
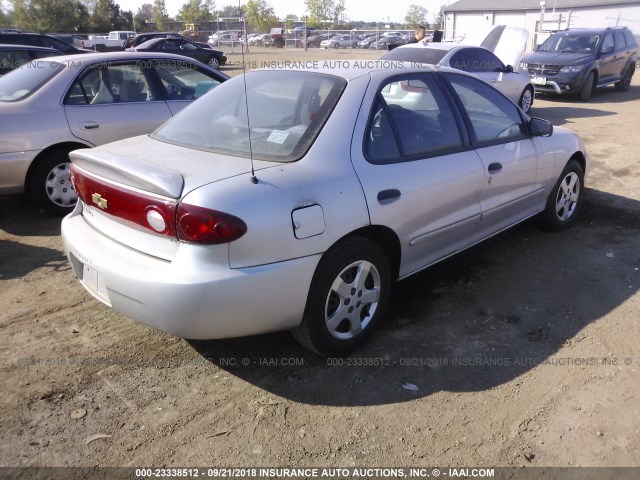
<point x="80" y="60"/>
<point x="588" y="31"/>
<point x="438" y="46"/>
<point x="10" y="46"/>
<point x="352" y="69"/>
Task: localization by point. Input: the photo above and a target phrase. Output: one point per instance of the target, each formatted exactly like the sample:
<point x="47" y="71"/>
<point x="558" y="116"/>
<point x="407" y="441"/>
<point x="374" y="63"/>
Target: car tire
<point x="50" y="184"/>
<point x="336" y="45"/>
<point x="587" y="88"/>
<point x="526" y="99"/>
<point x="337" y="323"/>
<point x="214" y="62"/>
<point x="625" y="81"/>
<point x="565" y="200"/>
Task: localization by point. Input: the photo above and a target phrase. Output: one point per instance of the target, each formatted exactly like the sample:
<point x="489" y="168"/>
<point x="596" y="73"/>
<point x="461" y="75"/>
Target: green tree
<point x="196" y="11"/>
<point x="260" y="15"/>
<point x="51" y="15"/>
<point x="230" y="11"/>
<point x="143" y="18"/>
<point x="322" y="12"/>
<point x="159" y="15"/>
<point x="5" y="20"/>
<point x="416" y="15"/>
<point x="439" y="23"/>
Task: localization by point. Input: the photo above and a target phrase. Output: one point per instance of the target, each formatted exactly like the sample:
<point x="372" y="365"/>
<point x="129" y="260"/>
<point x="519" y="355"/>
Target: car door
<point x="111" y="101"/>
<point x="418" y="173"/>
<point x="191" y="50"/>
<point x="513" y="173"/>
<point x="608" y="59"/>
<point x="183" y="82"/>
<point x="621" y="55"/>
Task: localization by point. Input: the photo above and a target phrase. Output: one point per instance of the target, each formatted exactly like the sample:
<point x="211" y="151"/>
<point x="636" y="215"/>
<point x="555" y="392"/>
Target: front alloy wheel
<point x="348" y="295"/>
<point x="214" y="63"/>
<point x="526" y="99"/>
<point x="565" y="200"/>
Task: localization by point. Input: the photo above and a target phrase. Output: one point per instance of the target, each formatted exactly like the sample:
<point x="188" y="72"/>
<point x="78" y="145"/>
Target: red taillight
<point x="163" y="216"/>
<point x="203" y="225"/>
<point x="149" y="211"/>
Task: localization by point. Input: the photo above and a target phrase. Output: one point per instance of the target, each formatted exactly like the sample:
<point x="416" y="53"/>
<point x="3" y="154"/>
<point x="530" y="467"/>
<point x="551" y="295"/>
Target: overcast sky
<point x="367" y="10"/>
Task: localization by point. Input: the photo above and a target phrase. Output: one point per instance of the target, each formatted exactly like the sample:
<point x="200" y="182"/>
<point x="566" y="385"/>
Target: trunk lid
<point x="506" y="42"/>
<point x="132" y="173"/>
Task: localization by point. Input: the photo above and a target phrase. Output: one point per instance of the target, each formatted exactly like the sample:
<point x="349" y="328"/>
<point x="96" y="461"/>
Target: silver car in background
<point x="340" y="41"/>
<point x="52" y="106"/>
<point x="477" y="60"/>
<point x="294" y="199"/>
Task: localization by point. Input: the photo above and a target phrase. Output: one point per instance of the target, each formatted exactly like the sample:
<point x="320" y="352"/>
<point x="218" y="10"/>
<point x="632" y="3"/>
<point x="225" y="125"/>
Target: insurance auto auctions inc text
<point x="345" y="473"/>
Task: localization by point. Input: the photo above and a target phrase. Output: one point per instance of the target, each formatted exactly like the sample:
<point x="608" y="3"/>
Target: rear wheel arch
<point x="57" y="148"/>
<point x="349" y="292"/>
<point x="387" y="240"/>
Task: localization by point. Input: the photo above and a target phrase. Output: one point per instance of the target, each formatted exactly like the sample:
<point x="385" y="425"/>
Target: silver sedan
<point x="293" y="199"/>
<point x="477" y="60"/>
<point x="50" y="107"/>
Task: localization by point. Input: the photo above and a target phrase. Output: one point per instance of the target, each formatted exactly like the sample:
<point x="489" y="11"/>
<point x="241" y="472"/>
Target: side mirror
<point x="540" y="128"/>
<point x="607" y="50"/>
<point x="509" y="69"/>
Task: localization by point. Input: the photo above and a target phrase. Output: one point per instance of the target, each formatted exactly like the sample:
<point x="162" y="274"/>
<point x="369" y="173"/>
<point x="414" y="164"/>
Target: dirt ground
<point x="522" y="351"/>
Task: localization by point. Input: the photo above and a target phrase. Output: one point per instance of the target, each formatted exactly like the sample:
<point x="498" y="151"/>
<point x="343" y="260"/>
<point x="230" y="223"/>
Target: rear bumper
<point x="188" y="296"/>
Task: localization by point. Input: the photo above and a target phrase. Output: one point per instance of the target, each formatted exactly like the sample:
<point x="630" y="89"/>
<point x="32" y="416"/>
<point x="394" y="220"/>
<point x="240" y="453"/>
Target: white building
<point x="540" y="17"/>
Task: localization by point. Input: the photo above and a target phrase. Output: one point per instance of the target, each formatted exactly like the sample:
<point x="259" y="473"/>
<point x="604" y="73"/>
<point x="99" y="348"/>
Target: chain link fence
<point x="382" y="39"/>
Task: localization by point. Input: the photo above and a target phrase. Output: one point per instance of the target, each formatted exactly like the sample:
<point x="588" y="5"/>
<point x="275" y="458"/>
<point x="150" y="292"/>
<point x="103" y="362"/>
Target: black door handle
<point x="495" y="167"/>
<point x="390" y="194"/>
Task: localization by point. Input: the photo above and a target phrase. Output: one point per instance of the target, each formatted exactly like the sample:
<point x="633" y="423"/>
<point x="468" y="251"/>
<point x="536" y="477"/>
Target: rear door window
<point x="124" y="83"/>
<point x="411" y="119"/>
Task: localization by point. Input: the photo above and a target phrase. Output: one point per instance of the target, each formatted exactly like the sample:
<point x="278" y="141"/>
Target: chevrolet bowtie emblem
<point x="99" y="201"/>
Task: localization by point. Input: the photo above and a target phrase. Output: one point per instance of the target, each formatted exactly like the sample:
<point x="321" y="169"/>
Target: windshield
<point x="570" y="43"/>
<point x="432" y="56"/>
<point x="28" y="79"/>
<point x="286" y="109"/>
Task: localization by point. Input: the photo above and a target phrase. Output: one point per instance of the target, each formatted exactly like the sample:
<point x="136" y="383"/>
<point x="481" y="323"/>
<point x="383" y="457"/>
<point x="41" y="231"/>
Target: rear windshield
<point x="286" y="110"/>
<point x="570" y="43"/>
<point x="28" y="79"/>
<point x="428" y="55"/>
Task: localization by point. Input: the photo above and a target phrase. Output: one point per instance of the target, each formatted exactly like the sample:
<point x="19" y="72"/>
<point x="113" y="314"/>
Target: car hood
<point x="557" y="58"/>
<point x="161" y="168"/>
<point x="506" y="42"/>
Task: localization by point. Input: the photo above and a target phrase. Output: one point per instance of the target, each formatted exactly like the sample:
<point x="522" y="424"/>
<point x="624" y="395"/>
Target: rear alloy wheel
<point x="625" y="81"/>
<point x="565" y="199"/>
<point x="587" y="88"/>
<point x="349" y="293"/>
<point x="50" y="184"/>
<point x="526" y="99"/>
<point x="214" y="63"/>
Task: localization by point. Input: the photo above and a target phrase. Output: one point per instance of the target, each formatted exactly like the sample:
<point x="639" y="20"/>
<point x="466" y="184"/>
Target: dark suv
<point x="574" y="62"/>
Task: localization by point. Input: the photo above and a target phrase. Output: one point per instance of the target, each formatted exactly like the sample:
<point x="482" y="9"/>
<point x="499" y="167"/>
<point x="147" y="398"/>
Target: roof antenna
<point x="254" y="179"/>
